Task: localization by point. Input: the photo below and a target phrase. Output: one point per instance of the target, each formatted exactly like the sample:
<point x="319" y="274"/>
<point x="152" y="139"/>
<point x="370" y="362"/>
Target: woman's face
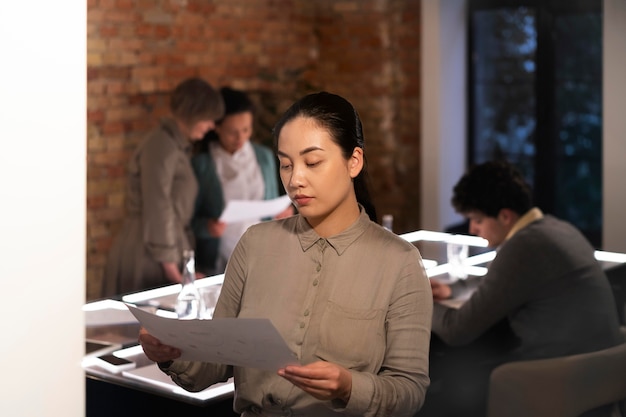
<point x="234" y="131"/>
<point x="316" y="175"/>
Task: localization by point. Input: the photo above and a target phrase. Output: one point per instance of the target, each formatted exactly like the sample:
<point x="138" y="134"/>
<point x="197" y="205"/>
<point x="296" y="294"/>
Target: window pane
<point x="536" y="100"/>
<point x="505" y="43"/>
<point x="578" y="114"/>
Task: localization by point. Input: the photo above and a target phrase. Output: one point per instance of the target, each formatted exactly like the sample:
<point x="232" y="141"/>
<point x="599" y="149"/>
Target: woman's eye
<point x="285" y="166"/>
<point x="312" y="164"/>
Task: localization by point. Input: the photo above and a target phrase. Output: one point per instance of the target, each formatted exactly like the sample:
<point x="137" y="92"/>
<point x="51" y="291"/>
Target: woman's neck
<point x="337" y="221"/>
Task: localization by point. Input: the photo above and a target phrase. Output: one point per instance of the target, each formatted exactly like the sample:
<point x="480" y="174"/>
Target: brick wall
<point x="277" y="50"/>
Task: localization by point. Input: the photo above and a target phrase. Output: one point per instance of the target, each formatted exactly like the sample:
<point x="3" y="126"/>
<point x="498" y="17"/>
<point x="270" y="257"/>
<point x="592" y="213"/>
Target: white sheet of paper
<point x="250" y="343"/>
<point x="243" y="210"/>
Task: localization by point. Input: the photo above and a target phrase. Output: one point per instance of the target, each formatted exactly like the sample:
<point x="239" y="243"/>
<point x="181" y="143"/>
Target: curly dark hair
<point x="490" y="187"/>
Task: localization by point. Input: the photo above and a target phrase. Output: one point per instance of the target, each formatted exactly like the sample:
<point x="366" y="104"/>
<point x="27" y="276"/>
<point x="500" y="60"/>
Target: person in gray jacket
<point x="544" y="282"/>
<point x="161" y="194"/>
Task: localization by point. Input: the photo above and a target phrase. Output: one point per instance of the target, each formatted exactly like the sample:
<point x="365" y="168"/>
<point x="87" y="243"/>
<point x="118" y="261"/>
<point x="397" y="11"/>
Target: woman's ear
<point x="355" y="163"/>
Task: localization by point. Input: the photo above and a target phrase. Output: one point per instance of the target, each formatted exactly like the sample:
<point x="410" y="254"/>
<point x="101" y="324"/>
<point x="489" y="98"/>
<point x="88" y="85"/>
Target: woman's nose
<point x="297" y="178"/>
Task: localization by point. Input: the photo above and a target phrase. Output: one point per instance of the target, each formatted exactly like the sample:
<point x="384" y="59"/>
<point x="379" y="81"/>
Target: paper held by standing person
<point x="249" y="343"/>
<point x="244" y="210"/>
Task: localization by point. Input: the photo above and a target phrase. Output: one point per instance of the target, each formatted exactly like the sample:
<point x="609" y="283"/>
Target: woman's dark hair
<point x="490" y="187"/>
<point x="235" y="102"/>
<point x="194" y="100"/>
<point x="341" y="120"/>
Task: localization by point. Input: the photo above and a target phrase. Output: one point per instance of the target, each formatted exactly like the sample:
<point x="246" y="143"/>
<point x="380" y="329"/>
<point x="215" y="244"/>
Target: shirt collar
<point x="530" y="216"/>
<point x="340" y="242"/>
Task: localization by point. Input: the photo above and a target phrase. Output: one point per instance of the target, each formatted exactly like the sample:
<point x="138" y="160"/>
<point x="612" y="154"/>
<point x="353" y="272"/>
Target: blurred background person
<point x="161" y="194"/>
<point x="229" y="167"/>
<point x="545" y="294"/>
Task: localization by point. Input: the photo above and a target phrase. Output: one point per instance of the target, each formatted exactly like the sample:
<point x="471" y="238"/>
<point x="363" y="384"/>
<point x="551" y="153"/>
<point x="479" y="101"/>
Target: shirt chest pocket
<point x="353" y="338"/>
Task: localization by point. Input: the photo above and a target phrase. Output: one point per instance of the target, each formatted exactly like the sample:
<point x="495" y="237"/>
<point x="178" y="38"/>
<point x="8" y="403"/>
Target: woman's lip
<point x="302" y="199"/>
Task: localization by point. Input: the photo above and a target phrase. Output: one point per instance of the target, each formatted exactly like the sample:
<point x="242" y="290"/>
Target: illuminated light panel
<point x="610" y="256"/>
<point x="481" y="258"/>
<point x="103" y="305"/>
<point x="170" y="289"/>
<point x="425" y="235"/>
<point x="477" y="271"/>
<point x="443" y="237"/>
<point x="166" y="314"/>
<point x="429" y="263"/>
<point x="128" y="352"/>
<point x="468" y="240"/>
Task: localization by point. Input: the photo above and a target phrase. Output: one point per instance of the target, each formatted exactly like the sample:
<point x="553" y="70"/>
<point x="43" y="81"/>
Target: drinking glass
<point x="457" y="255"/>
<point x="209" y="295"/>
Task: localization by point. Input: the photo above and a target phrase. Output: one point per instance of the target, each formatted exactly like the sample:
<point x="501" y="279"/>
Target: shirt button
<point x="315" y="283"/>
<point x="302" y="325"/>
<point x="306" y="313"/>
<point x="319" y="268"/>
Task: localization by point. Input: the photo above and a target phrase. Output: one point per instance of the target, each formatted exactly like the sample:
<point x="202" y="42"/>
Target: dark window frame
<point x="545" y="106"/>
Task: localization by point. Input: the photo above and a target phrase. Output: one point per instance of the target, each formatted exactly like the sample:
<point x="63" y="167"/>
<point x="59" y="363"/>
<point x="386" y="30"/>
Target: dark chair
<point x="559" y="387"/>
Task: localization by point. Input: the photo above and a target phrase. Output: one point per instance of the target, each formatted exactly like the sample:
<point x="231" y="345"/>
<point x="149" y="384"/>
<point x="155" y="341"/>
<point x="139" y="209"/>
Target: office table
<point x="145" y="388"/>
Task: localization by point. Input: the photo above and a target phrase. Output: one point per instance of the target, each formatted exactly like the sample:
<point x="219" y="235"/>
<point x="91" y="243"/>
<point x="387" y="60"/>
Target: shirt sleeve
<point x="157" y="166"/>
<point x="508" y="284"/>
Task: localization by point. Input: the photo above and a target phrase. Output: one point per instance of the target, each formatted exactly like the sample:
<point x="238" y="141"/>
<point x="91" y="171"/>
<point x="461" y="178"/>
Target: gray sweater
<point x="547" y="283"/>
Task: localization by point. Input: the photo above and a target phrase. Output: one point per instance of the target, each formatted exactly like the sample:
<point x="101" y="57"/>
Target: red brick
<point x="109" y="128"/>
<point x="124" y="4"/>
<point x="96" y="202"/>
<point x="108" y="31"/>
<point x="280" y="49"/>
<point x="95" y="116"/>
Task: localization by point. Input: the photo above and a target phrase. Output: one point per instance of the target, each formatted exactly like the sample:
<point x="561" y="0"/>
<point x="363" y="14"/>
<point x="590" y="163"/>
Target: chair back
<point x="559" y="387"/>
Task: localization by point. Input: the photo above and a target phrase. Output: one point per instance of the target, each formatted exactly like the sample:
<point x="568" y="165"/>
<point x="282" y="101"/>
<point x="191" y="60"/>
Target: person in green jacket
<point x="229" y="166"/>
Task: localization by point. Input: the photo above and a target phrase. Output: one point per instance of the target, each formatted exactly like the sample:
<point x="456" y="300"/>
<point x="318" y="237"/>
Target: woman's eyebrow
<point x="302" y="152"/>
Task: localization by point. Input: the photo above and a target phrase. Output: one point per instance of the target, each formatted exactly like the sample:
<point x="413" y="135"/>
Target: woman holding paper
<point x="351" y="300"/>
<point x="229" y="167"/>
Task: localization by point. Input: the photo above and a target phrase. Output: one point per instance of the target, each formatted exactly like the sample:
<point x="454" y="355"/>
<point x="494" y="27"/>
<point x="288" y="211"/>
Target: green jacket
<point x="210" y="202"/>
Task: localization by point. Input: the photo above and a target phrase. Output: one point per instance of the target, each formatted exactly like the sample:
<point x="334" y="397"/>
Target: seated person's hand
<point x="440" y="291"/>
<point x="215" y="227"/>
<point x="288" y="212"/>
<point x="155" y="350"/>
<point x="323" y="380"/>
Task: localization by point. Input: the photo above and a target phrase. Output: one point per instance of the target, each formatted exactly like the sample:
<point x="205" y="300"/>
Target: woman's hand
<point x="215" y="227"/>
<point x="440" y="291"/>
<point x="171" y="272"/>
<point x="323" y="380"/>
<point x="155" y="350"/>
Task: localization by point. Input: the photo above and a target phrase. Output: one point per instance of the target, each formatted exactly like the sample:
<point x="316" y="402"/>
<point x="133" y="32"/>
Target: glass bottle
<point x="188" y="303"/>
<point x="388" y="222"/>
